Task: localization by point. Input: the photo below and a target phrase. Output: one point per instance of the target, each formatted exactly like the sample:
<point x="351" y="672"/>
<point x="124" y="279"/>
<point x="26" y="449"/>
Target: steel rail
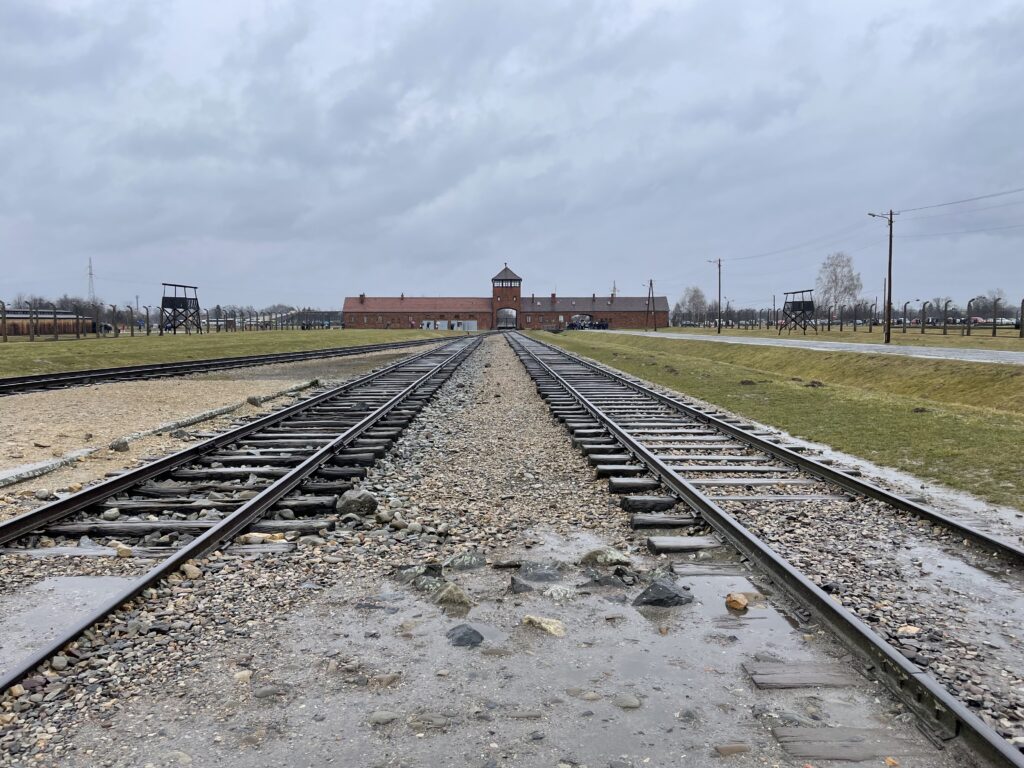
<point x="237" y="521"/>
<point x="33" y="382"/>
<point x="943" y="714"/>
<point x="807" y="464"/>
<point x="24" y="524"/>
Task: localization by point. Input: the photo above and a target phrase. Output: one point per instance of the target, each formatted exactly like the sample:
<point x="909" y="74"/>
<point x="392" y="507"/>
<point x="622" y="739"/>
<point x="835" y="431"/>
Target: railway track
<point x="282" y="472"/>
<point x="658" y="451"/>
<point x="13" y="385"/>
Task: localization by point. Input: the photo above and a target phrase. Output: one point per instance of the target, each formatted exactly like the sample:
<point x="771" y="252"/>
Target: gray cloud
<point x="304" y="151"/>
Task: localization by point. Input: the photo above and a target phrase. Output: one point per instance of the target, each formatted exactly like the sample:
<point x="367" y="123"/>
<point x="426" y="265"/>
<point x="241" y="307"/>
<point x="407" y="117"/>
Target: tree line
<point x="837" y="286"/>
<point x="69" y="303"/>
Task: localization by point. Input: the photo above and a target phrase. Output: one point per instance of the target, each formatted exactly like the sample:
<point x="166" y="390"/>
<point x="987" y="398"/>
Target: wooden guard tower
<point x="180" y="310"/>
<point x="798" y="311"/>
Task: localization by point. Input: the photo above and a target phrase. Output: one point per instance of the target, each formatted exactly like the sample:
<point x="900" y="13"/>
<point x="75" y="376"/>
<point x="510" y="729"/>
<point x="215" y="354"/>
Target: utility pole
<point x="719" y="263"/>
<point x="92" y="285"/>
<point x="650" y="305"/>
<point x="888" y="284"/>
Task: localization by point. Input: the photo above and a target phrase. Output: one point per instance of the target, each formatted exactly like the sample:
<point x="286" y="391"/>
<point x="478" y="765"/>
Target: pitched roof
<point x="592" y="304"/>
<point x="506" y="274"/>
<point x="416" y="304"/>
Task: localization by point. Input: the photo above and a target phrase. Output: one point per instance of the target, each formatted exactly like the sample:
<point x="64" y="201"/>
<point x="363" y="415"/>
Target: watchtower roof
<point x="506" y="274"/>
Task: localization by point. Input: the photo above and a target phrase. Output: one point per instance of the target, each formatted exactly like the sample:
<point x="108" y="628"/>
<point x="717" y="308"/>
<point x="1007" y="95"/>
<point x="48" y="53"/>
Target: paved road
<point x="939" y="353"/>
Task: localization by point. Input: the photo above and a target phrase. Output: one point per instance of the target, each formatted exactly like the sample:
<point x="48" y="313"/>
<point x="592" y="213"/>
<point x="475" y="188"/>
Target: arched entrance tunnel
<point x="506" y="317"/>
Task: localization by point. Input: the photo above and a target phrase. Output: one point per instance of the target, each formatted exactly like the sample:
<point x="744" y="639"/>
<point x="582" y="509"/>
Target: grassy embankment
<point x="958" y="423"/>
<point x="980" y="338"/>
<point x="75" y="355"/>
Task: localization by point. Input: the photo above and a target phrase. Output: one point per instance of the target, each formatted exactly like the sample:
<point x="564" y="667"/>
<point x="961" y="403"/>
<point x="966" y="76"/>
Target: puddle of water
<point x="991" y="604"/>
<point x="39" y="613"/>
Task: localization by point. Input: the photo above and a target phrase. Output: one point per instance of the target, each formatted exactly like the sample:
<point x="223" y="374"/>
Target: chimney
<point x="553" y="299"/>
<point x="593" y="297"/>
<point x="402" y="297"/>
<point x="362" y="298"/>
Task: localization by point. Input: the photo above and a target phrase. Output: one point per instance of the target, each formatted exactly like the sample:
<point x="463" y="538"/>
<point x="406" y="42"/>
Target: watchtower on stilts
<point x="798" y="311"/>
<point x="178" y="309"/>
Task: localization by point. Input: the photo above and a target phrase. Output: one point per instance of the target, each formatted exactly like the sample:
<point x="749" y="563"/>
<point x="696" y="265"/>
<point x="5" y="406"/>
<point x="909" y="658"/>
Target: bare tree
<point x="983" y="306"/>
<point x="278" y="309"/>
<point x="837" y="282"/>
<point x="694" y="300"/>
<point x="678" y="315"/>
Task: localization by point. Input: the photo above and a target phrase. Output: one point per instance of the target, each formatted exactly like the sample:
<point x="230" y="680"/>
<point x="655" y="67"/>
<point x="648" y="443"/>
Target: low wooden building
<point x="505" y="308"/>
<point x="18" y="322"/>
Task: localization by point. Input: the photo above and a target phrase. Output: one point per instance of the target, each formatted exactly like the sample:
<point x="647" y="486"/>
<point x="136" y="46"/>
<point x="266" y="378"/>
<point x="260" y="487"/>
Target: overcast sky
<point x="299" y="152"/>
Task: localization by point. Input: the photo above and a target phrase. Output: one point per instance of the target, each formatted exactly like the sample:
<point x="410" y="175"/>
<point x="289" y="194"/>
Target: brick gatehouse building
<point x="505" y="308"/>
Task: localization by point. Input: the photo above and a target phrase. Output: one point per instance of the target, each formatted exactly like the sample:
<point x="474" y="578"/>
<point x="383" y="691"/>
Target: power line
<point x="965" y="200"/>
<point x="963" y="213"/>
<point x="805" y="244"/>
<point x="962" y="231"/>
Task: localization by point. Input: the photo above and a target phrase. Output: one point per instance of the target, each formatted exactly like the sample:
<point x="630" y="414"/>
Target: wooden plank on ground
<point x="781" y="675"/>
<point x="630" y="484"/>
<point x="846" y="744"/>
<point x="143" y="527"/>
<point x="663" y="521"/>
<point x="665" y="544"/>
<point x="648" y="503"/>
<point x="708" y="569"/>
<point x="156" y="553"/>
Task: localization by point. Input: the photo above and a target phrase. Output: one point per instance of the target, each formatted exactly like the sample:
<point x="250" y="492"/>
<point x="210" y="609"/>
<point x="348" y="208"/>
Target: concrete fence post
<point x="31" y="327"/>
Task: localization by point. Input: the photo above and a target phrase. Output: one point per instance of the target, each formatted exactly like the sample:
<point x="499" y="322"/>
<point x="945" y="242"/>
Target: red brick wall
<point x="405" y="320"/>
<point x="630" y="320"/>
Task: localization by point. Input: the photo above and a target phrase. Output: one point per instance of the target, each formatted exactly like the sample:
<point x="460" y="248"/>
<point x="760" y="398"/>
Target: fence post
<point x="995" y="315"/>
<point x="3" y="320"/>
<point x="31" y="327"/>
<point x="131" y="320"/>
<point x="1020" y="317"/>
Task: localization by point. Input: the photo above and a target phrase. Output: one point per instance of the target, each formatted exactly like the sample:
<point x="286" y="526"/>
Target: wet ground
<point x="365" y="675"/>
<point x="40" y="612"/>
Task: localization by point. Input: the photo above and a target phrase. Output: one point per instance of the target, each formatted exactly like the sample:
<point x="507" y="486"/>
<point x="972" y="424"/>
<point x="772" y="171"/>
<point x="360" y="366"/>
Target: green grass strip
<point x="21" y="359"/>
<point x="960" y="424"/>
